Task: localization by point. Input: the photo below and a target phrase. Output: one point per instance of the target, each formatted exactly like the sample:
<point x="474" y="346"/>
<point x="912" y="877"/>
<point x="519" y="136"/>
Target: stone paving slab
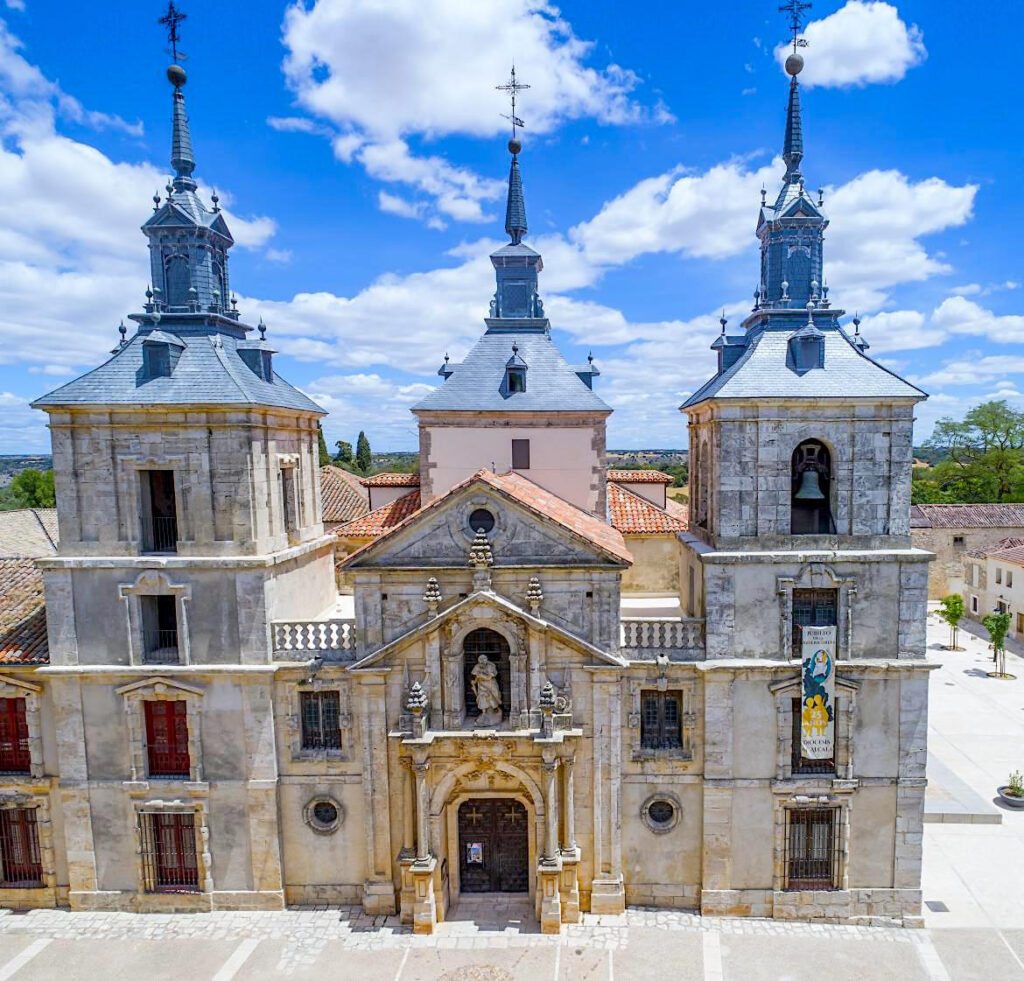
<point x="814" y="959"/>
<point x="976" y="955"/>
<point x="129" y="960"/>
<point x="485" y="964"/>
<point x="318" y="960"/>
<point x="652" y="953"/>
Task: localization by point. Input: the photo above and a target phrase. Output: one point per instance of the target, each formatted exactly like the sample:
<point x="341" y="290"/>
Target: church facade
<point x="547" y="679"/>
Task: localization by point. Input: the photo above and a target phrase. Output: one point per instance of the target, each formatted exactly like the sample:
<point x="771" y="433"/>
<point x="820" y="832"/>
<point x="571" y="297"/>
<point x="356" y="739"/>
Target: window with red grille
<point x="14" y="754"/>
<point x="169" y="852"/>
<point x="19" y="848"/>
<point x="167" y="738"/>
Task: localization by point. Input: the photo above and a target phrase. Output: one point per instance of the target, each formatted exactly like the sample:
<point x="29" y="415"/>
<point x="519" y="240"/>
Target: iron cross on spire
<point x="171" y="20"/>
<point x="795" y="9"/>
<point x="512" y="87"/>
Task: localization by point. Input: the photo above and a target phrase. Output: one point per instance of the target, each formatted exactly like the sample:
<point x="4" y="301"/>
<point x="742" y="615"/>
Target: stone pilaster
<point x="378" y="886"/>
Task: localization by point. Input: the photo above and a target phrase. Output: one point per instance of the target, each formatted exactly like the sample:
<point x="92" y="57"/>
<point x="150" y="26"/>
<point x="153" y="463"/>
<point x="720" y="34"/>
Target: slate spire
<point x="515" y="210"/>
<point x="182" y="158"/>
<point x="793" y="146"/>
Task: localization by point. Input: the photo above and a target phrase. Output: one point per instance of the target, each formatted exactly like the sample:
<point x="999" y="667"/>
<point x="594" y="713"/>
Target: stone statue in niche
<point x="485" y="687"/>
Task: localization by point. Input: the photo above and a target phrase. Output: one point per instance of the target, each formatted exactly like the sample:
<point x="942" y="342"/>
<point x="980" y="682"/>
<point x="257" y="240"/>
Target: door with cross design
<point x="494" y="853"/>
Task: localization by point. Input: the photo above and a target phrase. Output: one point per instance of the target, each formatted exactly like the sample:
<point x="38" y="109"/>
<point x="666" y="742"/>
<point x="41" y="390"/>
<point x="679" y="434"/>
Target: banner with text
<point x="817" y="714"/>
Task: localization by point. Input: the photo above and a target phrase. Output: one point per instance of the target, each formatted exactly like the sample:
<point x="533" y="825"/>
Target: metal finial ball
<point x="176" y="75"/>
<point x="514" y="146"/>
<point x="794" y="64"/>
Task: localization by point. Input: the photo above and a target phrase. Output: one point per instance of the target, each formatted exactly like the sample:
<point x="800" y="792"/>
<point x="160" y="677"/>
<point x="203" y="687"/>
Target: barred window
<point x="813" y="608"/>
<point x="812" y="853"/>
<point x="661" y="720"/>
<point x="14" y="752"/>
<point x="167" y="738"/>
<point x="169" y="861"/>
<point x="798" y="762"/>
<point x="19" y="848"/>
<point x="321" y="726"/>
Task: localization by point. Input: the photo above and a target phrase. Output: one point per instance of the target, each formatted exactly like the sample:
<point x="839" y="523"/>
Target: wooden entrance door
<point x="493" y="847"/>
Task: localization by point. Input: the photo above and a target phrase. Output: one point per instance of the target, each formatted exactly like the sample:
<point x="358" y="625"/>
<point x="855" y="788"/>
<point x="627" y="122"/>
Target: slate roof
<point x="477" y="383"/>
<point x="28" y="533"/>
<point x="763" y="371"/>
<point x="392" y="480"/>
<point x="532" y="497"/>
<point x="967" y="516"/>
<point x="342" y="498"/>
<point x="383" y="519"/>
<point x="209" y="370"/>
<point x="22" y="614"/>
<point x="639" y="477"/>
<point x="632" y="514"/>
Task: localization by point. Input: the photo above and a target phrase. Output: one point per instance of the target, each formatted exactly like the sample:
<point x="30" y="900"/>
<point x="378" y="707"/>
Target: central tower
<point x="515" y="403"/>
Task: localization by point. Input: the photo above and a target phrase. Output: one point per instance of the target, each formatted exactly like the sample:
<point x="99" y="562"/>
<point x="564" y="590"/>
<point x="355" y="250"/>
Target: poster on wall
<point x="818" y="691"/>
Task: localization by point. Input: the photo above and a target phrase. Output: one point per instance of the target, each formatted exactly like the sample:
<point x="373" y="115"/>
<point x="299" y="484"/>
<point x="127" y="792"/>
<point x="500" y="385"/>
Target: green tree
<point x="364" y="459"/>
<point x="33" y="489"/>
<point x="325" y="457"/>
<point x="984" y="454"/>
<point x="951" y="609"/>
<point x="997" y="625"/>
<point x="344" y="454"/>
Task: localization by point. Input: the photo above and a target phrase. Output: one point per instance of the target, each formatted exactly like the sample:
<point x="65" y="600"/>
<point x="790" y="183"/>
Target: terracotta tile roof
<point x="28" y="533"/>
<point x="640" y="477"/>
<point x="534" y="498"/>
<point x="967" y="515"/>
<point x="22" y="614"/>
<point x="342" y="496"/>
<point x="632" y="515"/>
<point x="1012" y="555"/>
<point x="376" y="523"/>
<point x="392" y="480"/>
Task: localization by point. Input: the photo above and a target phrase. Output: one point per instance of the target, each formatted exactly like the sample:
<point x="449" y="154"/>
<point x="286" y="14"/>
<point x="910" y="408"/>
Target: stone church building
<point x="548" y="679"/>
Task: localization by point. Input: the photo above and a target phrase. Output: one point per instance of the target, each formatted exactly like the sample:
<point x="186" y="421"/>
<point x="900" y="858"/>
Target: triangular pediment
<point x="483" y="609"/>
<point x="440" y="535"/>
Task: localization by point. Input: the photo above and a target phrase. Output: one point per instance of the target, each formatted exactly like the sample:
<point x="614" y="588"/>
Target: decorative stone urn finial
<point x="534" y="595"/>
<point x="416" y="701"/>
<point x="481" y="559"/>
<point x="547" y="707"/>
<point x="432" y="595"/>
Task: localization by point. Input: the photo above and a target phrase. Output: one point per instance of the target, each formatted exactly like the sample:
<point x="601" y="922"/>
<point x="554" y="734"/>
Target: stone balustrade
<point x="333" y="640"/>
<point x="642" y="638"/>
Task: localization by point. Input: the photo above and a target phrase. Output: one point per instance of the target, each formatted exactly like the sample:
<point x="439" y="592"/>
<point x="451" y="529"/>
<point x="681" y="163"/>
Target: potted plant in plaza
<point x="1013" y="793"/>
<point x="951" y="609"/>
<point x="997" y="623"/>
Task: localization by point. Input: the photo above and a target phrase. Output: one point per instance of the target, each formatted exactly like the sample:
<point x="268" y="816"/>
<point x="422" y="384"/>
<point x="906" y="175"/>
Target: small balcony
<point x="299" y="640"/>
<point x="165" y="534"/>
<point x="680" y="638"/>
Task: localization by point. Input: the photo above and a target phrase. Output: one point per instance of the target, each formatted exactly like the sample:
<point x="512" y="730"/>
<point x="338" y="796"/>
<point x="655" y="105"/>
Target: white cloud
<point x="283" y="256"/>
<point x="15" y="4"/>
<point x="900" y="330"/>
<point x="862" y="42"/>
<point x="976" y="289"/>
<point x="972" y="368"/>
<point x="958" y="315"/>
<point x="22" y="429"/>
<point x="382" y="73"/>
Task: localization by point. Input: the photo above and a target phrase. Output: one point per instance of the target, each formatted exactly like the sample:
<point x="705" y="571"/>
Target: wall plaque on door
<point x="474" y="853"/>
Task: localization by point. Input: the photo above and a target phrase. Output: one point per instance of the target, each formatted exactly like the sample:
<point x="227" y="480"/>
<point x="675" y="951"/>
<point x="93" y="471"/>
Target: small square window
<point x="958" y="541"/>
<point x="321" y="726"/>
<point x="661" y="720"/>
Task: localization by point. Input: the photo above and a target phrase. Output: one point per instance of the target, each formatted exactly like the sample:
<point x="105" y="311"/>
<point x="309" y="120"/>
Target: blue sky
<point x="360" y="152"/>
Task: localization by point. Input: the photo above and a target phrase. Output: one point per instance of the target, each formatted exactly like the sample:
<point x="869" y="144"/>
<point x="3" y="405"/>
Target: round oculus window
<point x="481" y="520"/>
<point x="324" y="815"/>
<point x="660" y="813"/>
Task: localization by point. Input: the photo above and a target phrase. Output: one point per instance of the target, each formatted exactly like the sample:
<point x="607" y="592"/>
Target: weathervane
<point x="171" y="20"/>
<point x="512" y="87"/>
<point x="795" y="9"/>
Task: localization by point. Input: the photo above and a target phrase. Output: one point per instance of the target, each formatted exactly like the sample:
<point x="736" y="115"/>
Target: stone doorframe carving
<point x="16" y="688"/>
<point x="817" y="575"/>
<point x="161" y="689"/>
<point x="131" y="493"/>
<point x="154" y="583"/>
<point x="846" y="705"/>
<point x="204" y="860"/>
<point x="453" y="664"/>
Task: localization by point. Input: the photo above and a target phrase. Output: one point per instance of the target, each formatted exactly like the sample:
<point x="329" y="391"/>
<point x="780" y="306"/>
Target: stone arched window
<point x="177" y="280"/>
<point x="479" y="647"/>
<point x="811" y="490"/>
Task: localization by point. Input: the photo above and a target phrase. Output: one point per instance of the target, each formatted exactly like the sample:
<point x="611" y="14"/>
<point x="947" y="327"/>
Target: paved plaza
<point x="973" y="870"/>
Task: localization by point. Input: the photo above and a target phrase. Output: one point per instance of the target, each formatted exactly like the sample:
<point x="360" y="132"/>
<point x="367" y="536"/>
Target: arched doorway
<point x="494" y="853"/>
<point x="484" y="643"/>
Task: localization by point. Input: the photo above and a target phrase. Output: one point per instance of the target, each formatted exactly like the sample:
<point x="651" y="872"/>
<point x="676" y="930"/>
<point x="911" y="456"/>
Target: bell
<point x="810" y="487"/>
